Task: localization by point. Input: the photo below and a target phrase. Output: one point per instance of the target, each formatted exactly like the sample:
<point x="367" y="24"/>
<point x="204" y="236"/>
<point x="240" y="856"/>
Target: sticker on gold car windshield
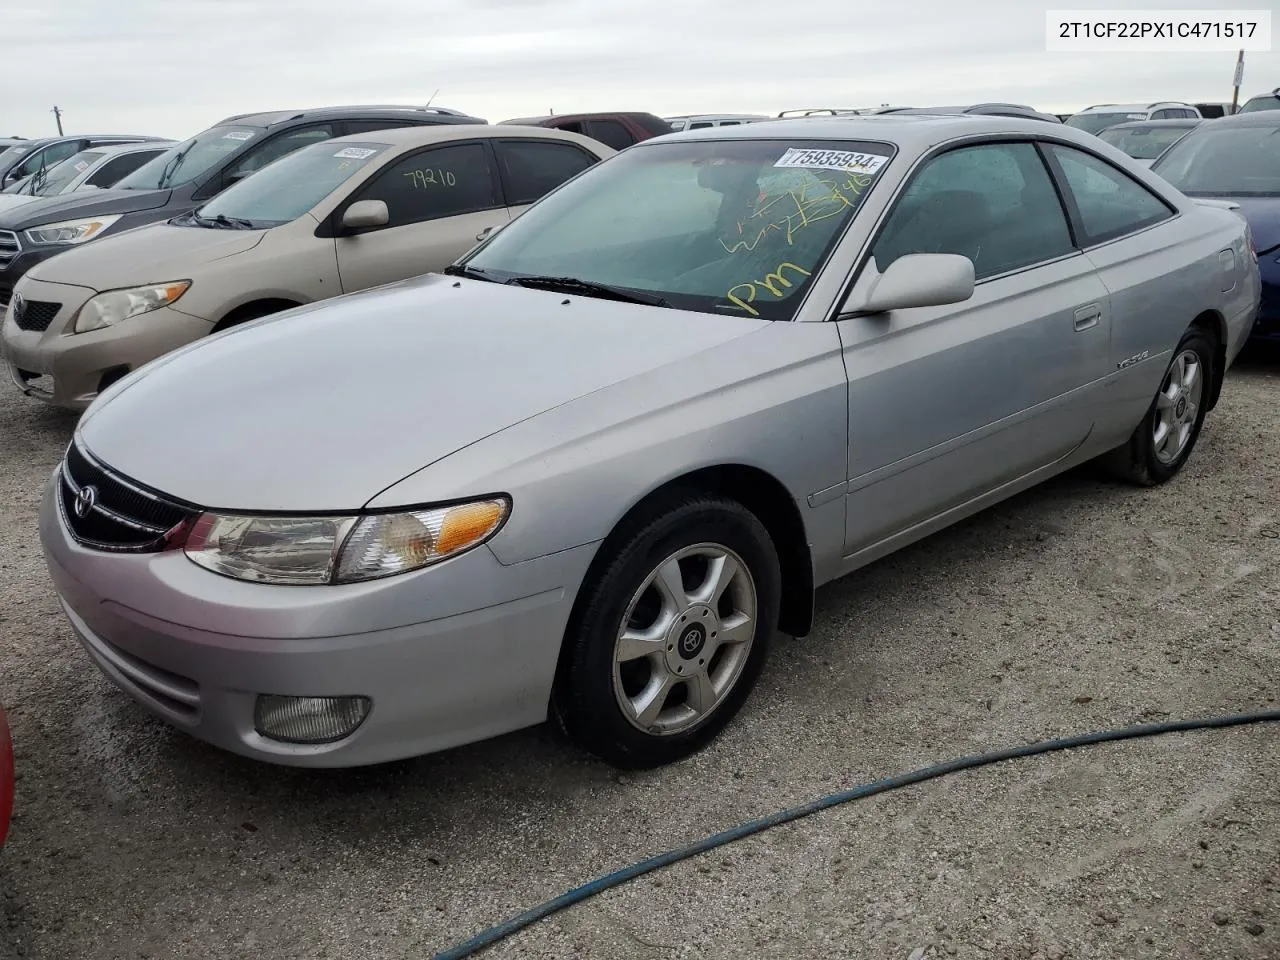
<point x="847" y="160"/>
<point x="355" y="153"/>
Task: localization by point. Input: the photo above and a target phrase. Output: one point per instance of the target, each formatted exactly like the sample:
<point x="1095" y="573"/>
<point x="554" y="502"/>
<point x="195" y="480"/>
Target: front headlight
<point x="325" y="550"/>
<point x="116" y="305"/>
<point x="71" y="231"/>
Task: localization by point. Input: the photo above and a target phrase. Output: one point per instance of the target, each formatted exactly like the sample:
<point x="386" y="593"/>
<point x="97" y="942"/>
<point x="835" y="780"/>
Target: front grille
<point x="35" y="315"/>
<point x="105" y="511"/>
<point x="9" y="246"/>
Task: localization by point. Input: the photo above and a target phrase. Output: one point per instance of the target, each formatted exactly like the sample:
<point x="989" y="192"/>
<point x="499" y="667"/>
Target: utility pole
<point x="57" y="115"/>
<point x="1235" y="94"/>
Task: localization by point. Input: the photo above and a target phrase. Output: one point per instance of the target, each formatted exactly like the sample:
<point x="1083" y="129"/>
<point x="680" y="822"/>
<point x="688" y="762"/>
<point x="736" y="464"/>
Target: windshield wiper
<point x="171" y="168"/>
<point x="589" y="289"/>
<point x="222" y="220"/>
<point x="471" y="273"/>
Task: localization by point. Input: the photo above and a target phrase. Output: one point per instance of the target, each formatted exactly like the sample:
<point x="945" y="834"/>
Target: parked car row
<point x="587" y="468"/>
<point x="329" y="218"/>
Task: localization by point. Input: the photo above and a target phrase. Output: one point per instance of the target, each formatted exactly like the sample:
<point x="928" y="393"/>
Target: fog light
<point x="309" y="719"/>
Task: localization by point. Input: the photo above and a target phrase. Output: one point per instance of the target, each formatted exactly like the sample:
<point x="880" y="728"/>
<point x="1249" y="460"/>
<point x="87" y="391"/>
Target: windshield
<point x="1144" y="143"/>
<point x="718" y="226"/>
<point x="1232" y="161"/>
<point x="1097" y="122"/>
<point x="287" y="188"/>
<point x="1268" y="102"/>
<point x="188" y="160"/>
<point x="58" y="177"/>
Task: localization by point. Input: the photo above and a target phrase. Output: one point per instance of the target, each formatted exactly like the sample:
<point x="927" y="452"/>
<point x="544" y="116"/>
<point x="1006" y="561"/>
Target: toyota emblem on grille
<point x="85" y="500"/>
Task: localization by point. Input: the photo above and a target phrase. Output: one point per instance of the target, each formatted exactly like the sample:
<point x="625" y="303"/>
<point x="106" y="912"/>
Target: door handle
<point x="1087" y="317"/>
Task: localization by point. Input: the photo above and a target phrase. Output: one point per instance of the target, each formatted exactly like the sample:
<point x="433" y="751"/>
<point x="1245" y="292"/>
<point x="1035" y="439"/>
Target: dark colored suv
<point x="24" y="158"/>
<point x="183" y="177"/>
<point x="617" y="130"/>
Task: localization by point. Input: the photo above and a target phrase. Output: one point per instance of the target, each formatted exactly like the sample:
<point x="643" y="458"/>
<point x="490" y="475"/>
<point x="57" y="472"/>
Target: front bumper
<point x="68" y="369"/>
<point x="14" y="268"/>
<point x="449" y="655"/>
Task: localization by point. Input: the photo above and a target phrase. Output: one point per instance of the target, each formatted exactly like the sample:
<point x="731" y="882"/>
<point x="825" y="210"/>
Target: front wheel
<point x="671" y="635"/>
<point x="1163" y="441"/>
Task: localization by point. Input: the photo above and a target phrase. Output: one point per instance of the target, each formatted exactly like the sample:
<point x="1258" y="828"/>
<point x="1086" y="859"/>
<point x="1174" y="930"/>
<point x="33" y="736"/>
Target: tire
<point x="1144" y="459"/>
<point x="682" y="664"/>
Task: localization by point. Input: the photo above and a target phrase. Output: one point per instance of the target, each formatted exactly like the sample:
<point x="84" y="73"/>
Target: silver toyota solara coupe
<point x="589" y="470"/>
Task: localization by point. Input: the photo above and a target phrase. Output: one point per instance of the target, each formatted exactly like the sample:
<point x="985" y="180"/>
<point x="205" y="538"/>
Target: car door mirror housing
<point x="914" y="280"/>
<point x="366" y="215"/>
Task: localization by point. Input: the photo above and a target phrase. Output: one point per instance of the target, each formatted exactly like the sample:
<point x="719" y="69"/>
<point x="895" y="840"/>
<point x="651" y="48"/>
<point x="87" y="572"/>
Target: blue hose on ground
<point x="503" y="930"/>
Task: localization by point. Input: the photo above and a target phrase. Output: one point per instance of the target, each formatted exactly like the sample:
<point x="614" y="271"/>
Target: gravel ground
<point x="1079" y="606"/>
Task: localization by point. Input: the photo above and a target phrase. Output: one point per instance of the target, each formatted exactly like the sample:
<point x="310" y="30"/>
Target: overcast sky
<point x="173" y="67"/>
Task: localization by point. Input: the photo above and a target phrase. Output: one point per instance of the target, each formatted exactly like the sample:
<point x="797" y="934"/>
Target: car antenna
<point x="432" y="97"/>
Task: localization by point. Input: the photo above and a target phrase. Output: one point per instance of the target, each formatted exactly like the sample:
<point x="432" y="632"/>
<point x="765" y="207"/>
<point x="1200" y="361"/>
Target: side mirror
<point x="914" y="280"/>
<point x="366" y="215"/>
<point x="487" y="232"/>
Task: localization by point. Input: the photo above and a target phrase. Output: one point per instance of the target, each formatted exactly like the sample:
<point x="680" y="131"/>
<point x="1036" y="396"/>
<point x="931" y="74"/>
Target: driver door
<point x="949" y="403"/>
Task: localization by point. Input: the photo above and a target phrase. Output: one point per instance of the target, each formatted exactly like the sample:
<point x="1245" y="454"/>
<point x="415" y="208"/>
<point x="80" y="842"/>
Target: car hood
<point x="73" y="205"/>
<point x="10" y="201"/>
<point x="156" y="253"/>
<point x="322" y="407"/>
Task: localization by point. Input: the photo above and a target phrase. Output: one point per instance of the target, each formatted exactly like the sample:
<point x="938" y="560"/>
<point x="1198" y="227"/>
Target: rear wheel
<point x="1164" y="439"/>
<point x="671" y="635"/>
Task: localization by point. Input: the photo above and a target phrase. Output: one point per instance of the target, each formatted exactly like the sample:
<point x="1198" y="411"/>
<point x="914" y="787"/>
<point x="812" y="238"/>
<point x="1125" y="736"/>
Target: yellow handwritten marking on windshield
<point x="436" y="178"/>
<point x="816" y="200"/>
<point x="771" y="282"/>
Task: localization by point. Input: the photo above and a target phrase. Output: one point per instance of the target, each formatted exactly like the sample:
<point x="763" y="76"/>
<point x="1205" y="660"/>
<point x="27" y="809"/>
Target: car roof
<point x="712" y="116"/>
<point x="909" y="131"/>
<point x="432" y="133"/>
<point x="1259" y="118"/>
<point x="1158" y="124"/>
<point x="536" y="121"/>
<point x="1132" y="107"/>
<point x="113" y="148"/>
<point x="269" y="118"/>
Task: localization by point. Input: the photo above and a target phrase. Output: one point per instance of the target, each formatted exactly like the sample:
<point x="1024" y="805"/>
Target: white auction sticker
<point x="355" y="153"/>
<point x="238" y="135"/>
<point x="82" y="166"/>
<point x="847" y="160"/>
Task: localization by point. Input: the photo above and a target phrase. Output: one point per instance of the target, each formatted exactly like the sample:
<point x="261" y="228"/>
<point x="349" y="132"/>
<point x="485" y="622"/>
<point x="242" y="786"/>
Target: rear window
<point x="1097" y="122"/>
<point x="1224" y="161"/>
<point x="1144" y="143"/>
<point x="1269" y="102"/>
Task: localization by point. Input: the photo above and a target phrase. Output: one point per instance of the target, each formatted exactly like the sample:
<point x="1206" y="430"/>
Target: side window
<point x="611" y="133"/>
<point x="573" y="126"/>
<point x="48" y="157"/>
<point x="273" y="149"/>
<point x="119" y="167"/>
<point x="994" y="204"/>
<point x="1164" y="114"/>
<point x="729" y="123"/>
<point x="431" y="184"/>
<point x="531" y="168"/>
<point x="697" y="125"/>
<point x="1110" y="203"/>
